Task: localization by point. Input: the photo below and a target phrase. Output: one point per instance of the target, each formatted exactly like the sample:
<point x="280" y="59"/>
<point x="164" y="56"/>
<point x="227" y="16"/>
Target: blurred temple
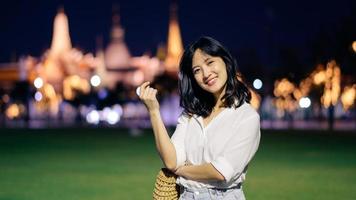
<point x="70" y="86"/>
<point x="67" y="87"/>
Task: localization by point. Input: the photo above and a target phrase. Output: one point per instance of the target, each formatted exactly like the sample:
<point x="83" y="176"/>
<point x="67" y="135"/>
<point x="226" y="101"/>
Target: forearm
<point x="164" y="145"/>
<point x="200" y="172"/>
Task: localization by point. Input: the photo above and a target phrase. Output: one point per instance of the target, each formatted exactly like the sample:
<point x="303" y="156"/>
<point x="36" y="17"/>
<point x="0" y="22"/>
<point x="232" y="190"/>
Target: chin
<point x="213" y="90"/>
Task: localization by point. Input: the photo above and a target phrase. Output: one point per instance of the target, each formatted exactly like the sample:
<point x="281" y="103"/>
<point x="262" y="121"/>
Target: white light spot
<point x="95" y="81"/>
<point x="38" y="82"/>
<point x="257" y="84"/>
<point x="138" y="91"/>
<point x="117" y="108"/>
<point x="93" y="117"/>
<point x="113" y="117"/>
<point x="304" y="102"/>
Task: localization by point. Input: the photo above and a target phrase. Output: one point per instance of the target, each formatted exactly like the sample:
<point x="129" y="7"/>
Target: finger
<point x="150" y="92"/>
<point x="145" y="92"/>
<point x="154" y="92"/>
<point x="143" y="88"/>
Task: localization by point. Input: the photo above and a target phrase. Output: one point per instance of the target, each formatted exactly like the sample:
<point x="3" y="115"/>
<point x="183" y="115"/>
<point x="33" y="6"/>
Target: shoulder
<point x="245" y="113"/>
<point x="183" y="118"/>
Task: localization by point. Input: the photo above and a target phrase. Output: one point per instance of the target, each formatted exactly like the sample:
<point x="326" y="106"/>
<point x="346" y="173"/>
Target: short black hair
<point x="195" y="100"/>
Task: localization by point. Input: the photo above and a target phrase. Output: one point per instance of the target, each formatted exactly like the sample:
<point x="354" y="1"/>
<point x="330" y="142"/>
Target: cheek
<point x="223" y="72"/>
<point x="225" y="75"/>
<point x="198" y="78"/>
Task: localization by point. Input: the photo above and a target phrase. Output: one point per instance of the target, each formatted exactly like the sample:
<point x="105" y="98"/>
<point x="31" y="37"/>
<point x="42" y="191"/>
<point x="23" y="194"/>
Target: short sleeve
<point x="178" y="138"/>
<point x="240" y="149"/>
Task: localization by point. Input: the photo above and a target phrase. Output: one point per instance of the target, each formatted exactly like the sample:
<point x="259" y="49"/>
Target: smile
<point x="211" y="81"/>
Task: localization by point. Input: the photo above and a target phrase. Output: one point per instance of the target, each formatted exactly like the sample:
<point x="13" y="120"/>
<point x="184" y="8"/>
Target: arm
<point x="200" y="172"/>
<point x="164" y="145"/>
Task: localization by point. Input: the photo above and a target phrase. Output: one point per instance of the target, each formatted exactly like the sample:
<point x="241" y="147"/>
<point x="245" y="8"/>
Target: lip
<point x="211" y="82"/>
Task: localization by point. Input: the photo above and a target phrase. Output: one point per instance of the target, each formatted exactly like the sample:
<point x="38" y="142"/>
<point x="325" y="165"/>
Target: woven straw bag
<point x="165" y="186"/>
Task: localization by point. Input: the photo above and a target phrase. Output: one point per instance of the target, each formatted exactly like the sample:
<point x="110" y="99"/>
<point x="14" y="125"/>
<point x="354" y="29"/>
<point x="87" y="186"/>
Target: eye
<point x="196" y="70"/>
<point x="210" y="62"/>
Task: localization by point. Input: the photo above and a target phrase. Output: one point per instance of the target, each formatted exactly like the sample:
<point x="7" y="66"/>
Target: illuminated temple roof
<point x="117" y="55"/>
<point x="61" y="39"/>
<point x="174" y="44"/>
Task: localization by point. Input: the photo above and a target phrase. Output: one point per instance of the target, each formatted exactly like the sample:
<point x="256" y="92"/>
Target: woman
<point x="218" y="132"/>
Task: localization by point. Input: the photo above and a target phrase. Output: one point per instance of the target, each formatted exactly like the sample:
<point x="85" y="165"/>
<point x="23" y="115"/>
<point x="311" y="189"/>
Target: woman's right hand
<point x="148" y="97"/>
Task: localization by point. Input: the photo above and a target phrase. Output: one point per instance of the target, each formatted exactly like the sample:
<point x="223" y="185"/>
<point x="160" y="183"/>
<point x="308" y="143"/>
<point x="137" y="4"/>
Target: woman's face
<point x="209" y="72"/>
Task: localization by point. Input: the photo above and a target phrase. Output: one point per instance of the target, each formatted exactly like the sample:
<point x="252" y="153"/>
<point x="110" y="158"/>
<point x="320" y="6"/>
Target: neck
<point x="218" y="97"/>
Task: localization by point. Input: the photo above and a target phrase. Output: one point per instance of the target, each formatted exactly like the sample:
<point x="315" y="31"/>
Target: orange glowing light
<point x="348" y="97"/>
<point x="283" y="90"/>
<point x="332" y="84"/>
<point x="283" y="87"/>
<point x="74" y="83"/>
<point x="297" y="94"/>
<point x="13" y="111"/>
<point x="319" y="77"/>
<point x="354" y="46"/>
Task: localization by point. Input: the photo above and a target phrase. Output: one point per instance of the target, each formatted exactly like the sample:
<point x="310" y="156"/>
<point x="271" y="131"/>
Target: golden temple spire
<point x="174" y="44"/>
<point x="60" y="39"/>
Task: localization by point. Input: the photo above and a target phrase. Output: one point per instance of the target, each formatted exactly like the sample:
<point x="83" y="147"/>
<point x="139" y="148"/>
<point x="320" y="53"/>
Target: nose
<point x="206" y="72"/>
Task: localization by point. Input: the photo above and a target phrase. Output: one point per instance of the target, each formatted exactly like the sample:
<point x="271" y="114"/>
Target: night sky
<point x="260" y="27"/>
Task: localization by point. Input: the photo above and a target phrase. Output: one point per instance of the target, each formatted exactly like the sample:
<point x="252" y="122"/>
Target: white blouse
<point x="228" y="142"/>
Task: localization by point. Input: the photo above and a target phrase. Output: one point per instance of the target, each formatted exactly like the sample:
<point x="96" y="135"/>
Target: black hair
<point x="195" y="100"/>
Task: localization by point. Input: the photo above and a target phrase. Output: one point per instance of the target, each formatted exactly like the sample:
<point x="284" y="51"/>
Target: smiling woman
<point x="218" y="132"/>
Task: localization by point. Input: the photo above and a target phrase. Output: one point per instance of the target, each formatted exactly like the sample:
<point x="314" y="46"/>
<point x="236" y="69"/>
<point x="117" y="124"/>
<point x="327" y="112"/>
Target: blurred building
<point x="70" y="85"/>
<point x="64" y="72"/>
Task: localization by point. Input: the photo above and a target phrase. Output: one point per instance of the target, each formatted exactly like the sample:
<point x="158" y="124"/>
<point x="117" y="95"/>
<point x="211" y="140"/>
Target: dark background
<point x="270" y="39"/>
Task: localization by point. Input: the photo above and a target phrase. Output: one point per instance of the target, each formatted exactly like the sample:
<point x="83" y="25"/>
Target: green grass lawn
<point x="105" y="164"/>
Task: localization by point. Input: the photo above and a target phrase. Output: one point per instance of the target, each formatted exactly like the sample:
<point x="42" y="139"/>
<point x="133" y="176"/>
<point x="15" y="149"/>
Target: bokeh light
<point x="304" y="102"/>
<point x="257" y="84"/>
<point x="95" y="80"/>
<point x="93" y="117"/>
<point x="38" y="96"/>
<point x="38" y="82"/>
<point x="354" y="46"/>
